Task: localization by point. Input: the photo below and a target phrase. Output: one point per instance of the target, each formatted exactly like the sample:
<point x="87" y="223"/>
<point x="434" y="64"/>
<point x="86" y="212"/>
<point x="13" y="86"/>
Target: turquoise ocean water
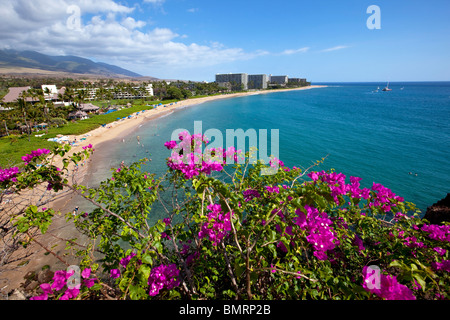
<point x="399" y="138"/>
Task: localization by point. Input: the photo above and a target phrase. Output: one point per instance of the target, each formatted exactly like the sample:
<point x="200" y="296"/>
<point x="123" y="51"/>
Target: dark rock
<point x="45" y="276"/>
<point x="439" y="212"/>
<point x="33" y="285"/>
<point x="30" y="276"/>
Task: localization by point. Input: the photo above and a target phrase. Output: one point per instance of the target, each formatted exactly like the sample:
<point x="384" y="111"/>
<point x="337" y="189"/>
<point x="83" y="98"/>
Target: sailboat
<point x="386" y="88"/>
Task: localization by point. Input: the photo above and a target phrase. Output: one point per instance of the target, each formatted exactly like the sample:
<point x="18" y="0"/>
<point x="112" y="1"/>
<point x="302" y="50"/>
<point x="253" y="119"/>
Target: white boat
<point x="386" y="88"/>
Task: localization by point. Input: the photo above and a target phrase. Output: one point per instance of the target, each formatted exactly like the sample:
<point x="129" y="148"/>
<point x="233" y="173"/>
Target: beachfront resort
<point x="36" y="106"/>
<point x="244" y="81"/>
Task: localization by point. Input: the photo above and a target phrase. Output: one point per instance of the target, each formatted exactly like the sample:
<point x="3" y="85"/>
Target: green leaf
<point x="96" y="287"/>
<point x="420" y="281"/>
<point x="136" y="292"/>
<point x="158" y="246"/>
<point x="146" y="258"/>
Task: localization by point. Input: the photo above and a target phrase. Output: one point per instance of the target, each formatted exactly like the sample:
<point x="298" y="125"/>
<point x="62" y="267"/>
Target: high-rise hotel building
<point x="257" y="81"/>
<point x="237" y="80"/>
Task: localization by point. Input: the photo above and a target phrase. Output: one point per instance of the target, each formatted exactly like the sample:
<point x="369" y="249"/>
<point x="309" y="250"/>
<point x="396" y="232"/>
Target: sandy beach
<point x="12" y="277"/>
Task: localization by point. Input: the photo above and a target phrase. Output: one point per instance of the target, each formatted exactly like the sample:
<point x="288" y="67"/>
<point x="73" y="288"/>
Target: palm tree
<point x="45" y="108"/>
<point x="68" y="94"/>
<point x="6" y="127"/>
<point x="101" y="93"/>
<point x="22" y="107"/>
<point x="80" y="97"/>
<point x="47" y="92"/>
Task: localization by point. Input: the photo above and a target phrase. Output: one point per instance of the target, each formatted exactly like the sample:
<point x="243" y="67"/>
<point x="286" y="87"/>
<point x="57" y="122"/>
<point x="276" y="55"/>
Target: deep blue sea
<point x="399" y="138"/>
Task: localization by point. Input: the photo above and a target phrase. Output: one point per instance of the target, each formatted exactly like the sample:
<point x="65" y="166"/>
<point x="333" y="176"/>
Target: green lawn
<point x="12" y="148"/>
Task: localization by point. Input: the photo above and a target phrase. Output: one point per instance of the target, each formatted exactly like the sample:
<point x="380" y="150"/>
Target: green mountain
<point x="71" y="64"/>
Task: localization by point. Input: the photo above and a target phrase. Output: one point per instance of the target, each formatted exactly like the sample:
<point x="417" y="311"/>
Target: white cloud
<point x="295" y="51"/>
<point x="107" y="32"/>
<point x="335" y="48"/>
<point x="155" y="1"/>
<point x="192" y="10"/>
<point x="131" y="24"/>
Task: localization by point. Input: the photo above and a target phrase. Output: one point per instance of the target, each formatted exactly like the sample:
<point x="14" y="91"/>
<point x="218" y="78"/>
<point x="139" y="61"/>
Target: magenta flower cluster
<point x="250" y="194"/>
<point x="444" y="265"/>
<point x="163" y="277"/>
<point x="272" y="189"/>
<point x="387" y="288"/>
<point x="89" y="146"/>
<point x="321" y="234"/>
<point x="188" y="157"/>
<point x="384" y="197"/>
<point x="34" y="154"/>
<point x="115" y="273"/>
<point x="218" y="225"/>
<point x="190" y="161"/>
<point x="275" y="163"/>
<point x="9" y="174"/>
<point x="60" y="278"/>
<point x="170" y="144"/>
<point x="160" y="277"/>
<point x="436" y="232"/>
<point x="125" y="261"/>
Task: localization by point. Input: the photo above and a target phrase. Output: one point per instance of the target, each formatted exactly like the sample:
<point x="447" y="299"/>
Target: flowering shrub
<point x="217" y="226"/>
<point x="163" y="277"/>
<point x="9" y="174"/>
<point x="217" y="229"/>
<point x="188" y="157"/>
<point x="61" y="290"/>
<point x="389" y="288"/>
<point x="320" y="234"/>
<point x="34" y="154"/>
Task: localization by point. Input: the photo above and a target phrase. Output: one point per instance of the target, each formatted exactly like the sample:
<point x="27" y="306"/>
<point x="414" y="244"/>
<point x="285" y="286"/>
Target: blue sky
<point x="195" y="39"/>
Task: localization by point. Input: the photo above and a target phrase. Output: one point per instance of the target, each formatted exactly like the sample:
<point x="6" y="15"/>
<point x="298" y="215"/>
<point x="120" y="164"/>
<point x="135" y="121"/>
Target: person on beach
<point x="75" y="211"/>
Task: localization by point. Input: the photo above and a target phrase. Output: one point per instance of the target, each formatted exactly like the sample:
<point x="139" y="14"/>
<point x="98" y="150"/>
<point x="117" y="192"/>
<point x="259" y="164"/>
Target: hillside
<point x="12" y="61"/>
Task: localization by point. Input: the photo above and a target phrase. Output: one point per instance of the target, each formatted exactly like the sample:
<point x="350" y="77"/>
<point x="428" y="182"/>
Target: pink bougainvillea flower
<point x="89" y="146"/>
<point x="387" y="287"/>
<point x="115" y="273"/>
<point x="170" y="144"/>
<point x="9" y="174"/>
<point x="34" y="154"/>
<point x="162" y="277"/>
